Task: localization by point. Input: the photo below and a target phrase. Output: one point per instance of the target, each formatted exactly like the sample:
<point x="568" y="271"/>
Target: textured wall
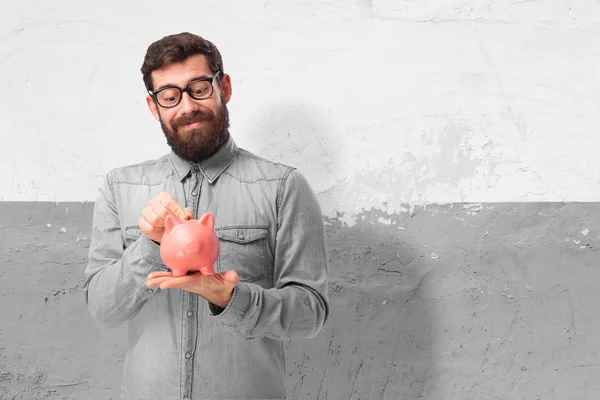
<point x="401" y="102"/>
<point x="452" y="145"/>
<point x="451" y="302"/>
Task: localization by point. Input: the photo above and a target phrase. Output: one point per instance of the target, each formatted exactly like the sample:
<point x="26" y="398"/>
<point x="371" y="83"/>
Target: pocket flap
<point x="241" y="234"/>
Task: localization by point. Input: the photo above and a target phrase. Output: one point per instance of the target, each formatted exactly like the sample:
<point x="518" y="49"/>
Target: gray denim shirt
<point x="271" y="232"/>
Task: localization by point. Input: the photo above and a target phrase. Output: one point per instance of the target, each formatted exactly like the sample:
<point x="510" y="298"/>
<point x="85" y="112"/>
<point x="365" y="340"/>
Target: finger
<point x="198" y="281"/>
<point x="159" y="209"/>
<point x="147" y="228"/>
<point x="158" y="282"/>
<point x="171" y="205"/>
<point x="189" y="213"/>
<point x="153" y="218"/>
<point x="229" y="278"/>
<point x="184" y="282"/>
<point x="158" y="274"/>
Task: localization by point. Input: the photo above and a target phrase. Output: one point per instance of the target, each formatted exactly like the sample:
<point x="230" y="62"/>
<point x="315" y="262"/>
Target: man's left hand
<point x="217" y="288"/>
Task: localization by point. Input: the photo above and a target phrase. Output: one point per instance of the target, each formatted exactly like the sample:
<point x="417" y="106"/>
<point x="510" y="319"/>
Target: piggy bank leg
<point x="206" y="270"/>
<point x="179" y="272"/>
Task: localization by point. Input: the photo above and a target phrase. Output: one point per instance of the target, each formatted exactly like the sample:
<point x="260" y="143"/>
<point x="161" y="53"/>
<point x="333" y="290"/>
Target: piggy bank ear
<point x="208" y="220"/>
<point x="171" y="222"/>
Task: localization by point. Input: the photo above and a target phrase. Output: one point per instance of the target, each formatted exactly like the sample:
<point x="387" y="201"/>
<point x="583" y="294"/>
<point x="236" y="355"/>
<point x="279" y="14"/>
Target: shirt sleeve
<point x="297" y="306"/>
<point x="115" y="286"/>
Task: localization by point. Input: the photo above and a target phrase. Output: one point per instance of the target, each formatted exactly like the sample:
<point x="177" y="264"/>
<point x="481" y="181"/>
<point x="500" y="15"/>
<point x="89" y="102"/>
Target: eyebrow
<point x="193" y="79"/>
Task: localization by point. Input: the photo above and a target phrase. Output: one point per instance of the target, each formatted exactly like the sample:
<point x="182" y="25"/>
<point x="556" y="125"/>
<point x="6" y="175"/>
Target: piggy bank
<point x="190" y="245"/>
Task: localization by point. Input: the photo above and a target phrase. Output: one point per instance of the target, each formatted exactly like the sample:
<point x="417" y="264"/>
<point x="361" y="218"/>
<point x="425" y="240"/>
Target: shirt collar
<point x="212" y="167"/>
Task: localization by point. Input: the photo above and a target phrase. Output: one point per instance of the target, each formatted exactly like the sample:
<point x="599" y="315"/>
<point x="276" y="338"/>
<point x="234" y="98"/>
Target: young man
<point x="205" y="336"/>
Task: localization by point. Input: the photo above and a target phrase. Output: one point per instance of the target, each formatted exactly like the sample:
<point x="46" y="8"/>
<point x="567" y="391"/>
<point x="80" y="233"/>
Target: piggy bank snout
<point x="193" y="246"/>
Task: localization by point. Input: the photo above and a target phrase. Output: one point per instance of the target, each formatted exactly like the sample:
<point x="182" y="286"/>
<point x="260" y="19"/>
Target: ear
<point x="208" y="220"/>
<point x="171" y="222"/>
<point x="152" y="106"/>
<point x="226" y="87"/>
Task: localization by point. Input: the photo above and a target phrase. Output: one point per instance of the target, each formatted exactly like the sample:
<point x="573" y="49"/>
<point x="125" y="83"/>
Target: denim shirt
<point x="271" y="231"/>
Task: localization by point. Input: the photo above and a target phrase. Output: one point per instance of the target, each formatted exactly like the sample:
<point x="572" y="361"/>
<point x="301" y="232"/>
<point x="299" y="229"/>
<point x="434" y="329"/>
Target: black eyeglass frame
<point x="210" y="79"/>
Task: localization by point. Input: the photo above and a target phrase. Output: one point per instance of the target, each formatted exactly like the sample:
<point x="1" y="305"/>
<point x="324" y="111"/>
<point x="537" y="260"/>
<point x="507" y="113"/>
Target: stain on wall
<point x="455" y="100"/>
<point x="457" y="301"/>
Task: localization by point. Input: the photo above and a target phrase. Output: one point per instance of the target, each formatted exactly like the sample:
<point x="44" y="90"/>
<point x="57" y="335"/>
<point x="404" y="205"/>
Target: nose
<point x="193" y="247"/>
<point x="187" y="104"/>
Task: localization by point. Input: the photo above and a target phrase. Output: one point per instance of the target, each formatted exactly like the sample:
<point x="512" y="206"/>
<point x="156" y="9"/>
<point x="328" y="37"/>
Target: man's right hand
<point x="152" y="220"/>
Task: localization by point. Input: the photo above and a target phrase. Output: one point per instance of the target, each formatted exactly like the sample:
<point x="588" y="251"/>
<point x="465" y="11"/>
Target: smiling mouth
<point x="193" y="125"/>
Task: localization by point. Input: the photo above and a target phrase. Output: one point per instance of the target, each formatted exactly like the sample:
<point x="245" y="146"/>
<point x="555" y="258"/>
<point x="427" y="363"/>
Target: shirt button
<point x="194" y="194"/>
<point x="150" y="291"/>
<point x="190" y="313"/>
<point x="188" y="355"/>
<point x="241" y="237"/>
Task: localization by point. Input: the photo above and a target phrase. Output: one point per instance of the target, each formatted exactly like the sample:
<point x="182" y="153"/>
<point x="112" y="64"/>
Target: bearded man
<point x="205" y="336"/>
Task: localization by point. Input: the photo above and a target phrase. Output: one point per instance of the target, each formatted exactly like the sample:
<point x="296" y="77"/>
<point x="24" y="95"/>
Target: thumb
<point x="231" y="278"/>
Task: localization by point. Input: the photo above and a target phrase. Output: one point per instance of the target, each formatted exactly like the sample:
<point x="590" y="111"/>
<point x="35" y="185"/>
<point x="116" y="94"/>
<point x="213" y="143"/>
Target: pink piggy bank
<point x="190" y="245"/>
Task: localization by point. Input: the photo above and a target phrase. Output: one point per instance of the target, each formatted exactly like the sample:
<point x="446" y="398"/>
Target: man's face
<point x="195" y="129"/>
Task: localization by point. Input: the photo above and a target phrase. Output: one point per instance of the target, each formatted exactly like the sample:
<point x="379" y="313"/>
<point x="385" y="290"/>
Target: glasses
<point x="198" y="89"/>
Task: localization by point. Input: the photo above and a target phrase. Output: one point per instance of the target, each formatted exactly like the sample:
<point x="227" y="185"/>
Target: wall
<point x="451" y="145"/>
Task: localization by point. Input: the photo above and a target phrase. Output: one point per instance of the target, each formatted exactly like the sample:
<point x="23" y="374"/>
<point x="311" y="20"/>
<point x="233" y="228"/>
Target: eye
<point x="169" y="96"/>
<point x="200" y="88"/>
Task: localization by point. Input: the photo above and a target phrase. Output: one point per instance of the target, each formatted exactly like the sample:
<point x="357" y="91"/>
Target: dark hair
<point x="177" y="48"/>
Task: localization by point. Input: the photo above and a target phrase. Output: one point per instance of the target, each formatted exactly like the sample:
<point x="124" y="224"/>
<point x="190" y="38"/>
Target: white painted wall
<point x="380" y="106"/>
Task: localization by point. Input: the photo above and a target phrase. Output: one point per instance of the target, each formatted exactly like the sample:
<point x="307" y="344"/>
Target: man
<point x="205" y="336"/>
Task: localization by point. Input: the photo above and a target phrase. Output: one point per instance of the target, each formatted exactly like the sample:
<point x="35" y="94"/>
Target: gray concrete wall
<point x="461" y="301"/>
<point x="453" y="145"/>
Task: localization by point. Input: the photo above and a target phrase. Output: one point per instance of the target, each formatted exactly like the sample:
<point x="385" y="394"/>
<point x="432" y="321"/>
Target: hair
<point x="177" y="48"/>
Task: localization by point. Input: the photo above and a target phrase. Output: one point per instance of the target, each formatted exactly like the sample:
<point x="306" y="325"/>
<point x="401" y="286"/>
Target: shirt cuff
<point x="238" y="306"/>
<point x="151" y="253"/>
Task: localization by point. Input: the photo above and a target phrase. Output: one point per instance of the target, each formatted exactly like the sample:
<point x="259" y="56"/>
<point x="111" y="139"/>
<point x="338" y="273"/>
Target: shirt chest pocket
<point x="244" y="250"/>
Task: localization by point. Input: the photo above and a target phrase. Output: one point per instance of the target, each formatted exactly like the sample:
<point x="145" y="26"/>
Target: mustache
<point x="194" y="116"/>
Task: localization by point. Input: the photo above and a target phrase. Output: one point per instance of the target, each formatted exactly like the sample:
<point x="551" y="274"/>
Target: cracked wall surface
<point x="382" y="103"/>
<point x="462" y="301"/>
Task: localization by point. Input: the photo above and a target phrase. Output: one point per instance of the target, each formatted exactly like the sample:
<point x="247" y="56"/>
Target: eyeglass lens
<point x="198" y="90"/>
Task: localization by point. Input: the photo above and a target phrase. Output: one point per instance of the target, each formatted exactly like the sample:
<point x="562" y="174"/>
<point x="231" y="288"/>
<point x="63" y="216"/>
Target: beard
<point x="200" y="143"/>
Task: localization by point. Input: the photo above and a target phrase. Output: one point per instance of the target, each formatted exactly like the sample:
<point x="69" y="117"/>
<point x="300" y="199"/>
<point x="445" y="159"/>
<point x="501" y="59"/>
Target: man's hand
<point x="152" y="220"/>
<point x="217" y="288"/>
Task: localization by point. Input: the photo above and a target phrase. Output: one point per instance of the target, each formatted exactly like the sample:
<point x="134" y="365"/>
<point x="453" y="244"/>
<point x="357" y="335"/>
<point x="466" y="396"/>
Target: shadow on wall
<point x="298" y="134"/>
<point x="378" y="341"/>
